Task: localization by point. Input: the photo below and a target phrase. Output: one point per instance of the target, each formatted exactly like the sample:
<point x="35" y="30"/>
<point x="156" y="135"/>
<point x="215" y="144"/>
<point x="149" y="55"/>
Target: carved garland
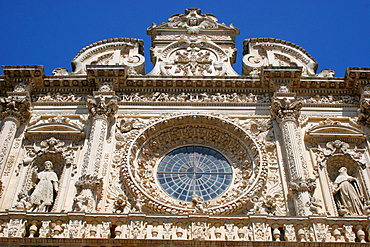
<point x="246" y="155"/>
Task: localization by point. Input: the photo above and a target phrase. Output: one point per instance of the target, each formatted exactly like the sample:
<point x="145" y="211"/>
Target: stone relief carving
<point x="52" y="148"/>
<point x="330" y="99"/>
<point x="58" y="97"/>
<point x="196" y="97"/>
<point x="141" y="169"/>
<point x="193" y="52"/>
<point x="89" y="191"/>
<point x="364" y="111"/>
<point x="16" y="107"/>
<point x="285" y="109"/>
<point x="193" y="56"/>
<point x="21" y="87"/>
<point x="117" y="200"/>
<point x="16" y="228"/>
<point x="117" y="51"/>
<point x="259" y="52"/>
<point x="102" y="106"/>
<point x="193" y="20"/>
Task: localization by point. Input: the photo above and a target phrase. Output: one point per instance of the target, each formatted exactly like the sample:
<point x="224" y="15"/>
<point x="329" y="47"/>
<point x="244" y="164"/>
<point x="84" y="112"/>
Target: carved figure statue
<point x="22" y="202"/>
<point x="348" y="193"/>
<point x="198" y="204"/>
<point x="43" y="195"/>
<point x="139" y="204"/>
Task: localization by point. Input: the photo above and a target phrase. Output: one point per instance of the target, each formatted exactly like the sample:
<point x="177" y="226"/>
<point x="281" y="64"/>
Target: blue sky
<point x="51" y="33"/>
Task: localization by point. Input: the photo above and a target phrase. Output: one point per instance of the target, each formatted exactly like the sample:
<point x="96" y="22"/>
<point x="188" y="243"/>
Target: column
<point x="102" y="110"/>
<point x="15" y="110"/>
<point x="286" y="110"/>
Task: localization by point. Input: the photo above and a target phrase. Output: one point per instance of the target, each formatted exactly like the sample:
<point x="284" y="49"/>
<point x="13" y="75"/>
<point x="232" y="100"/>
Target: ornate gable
<point x="193" y="44"/>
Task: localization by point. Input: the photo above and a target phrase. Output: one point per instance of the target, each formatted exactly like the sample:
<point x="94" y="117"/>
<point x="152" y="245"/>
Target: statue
<point x="348" y="193"/>
<point x="198" y="203"/>
<point x="43" y="196"/>
<point x="22" y="202"/>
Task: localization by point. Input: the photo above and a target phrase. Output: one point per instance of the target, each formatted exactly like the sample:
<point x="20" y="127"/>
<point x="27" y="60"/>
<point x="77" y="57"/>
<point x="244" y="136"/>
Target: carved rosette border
<point x="247" y="156"/>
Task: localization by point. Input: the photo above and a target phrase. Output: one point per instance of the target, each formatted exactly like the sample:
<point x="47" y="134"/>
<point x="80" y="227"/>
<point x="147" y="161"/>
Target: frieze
<point x="330" y="99"/>
<point x="196" y="97"/>
<point x="58" y="97"/>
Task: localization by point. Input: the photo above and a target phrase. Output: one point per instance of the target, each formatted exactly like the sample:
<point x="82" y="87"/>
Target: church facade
<point x="191" y="152"/>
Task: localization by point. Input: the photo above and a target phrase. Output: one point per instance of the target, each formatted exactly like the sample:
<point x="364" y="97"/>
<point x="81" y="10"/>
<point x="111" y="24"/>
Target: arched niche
<point x="347" y="184"/>
<point x="31" y="180"/>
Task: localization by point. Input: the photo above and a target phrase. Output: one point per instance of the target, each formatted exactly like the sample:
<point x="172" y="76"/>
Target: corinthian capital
<point x="285" y="109"/>
<point x="102" y="106"/>
<point x="364" y="112"/>
<point x="16" y="107"/>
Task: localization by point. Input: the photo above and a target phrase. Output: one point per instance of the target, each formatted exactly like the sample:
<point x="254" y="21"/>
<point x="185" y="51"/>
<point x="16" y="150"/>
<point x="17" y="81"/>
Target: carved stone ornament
<point x="51" y="147"/>
<point x="364" y="112"/>
<point x="193" y="21"/>
<point x="339" y="159"/>
<point x="193" y="44"/>
<point x="194" y="56"/>
<point x="127" y="52"/>
<point x="102" y="106"/>
<point x="61" y="127"/>
<point x="15" y="107"/>
<point x="260" y="52"/>
<point x="144" y="152"/>
<point x="60" y="72"/>
<point x="89" y="192"/>
<point x="285" y="109"/>
<point x="196" y="98"/>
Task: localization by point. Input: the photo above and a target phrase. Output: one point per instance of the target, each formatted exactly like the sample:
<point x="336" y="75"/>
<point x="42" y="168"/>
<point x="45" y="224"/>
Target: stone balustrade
<point x="187" y="227"/>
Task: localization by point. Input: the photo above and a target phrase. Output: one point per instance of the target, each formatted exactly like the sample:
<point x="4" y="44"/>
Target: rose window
<point x="194" y="170"/>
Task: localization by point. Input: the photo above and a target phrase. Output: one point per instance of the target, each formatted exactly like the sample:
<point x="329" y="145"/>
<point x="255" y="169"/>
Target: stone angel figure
<point x="348" y="193"/>
<point x="42" y="198"/>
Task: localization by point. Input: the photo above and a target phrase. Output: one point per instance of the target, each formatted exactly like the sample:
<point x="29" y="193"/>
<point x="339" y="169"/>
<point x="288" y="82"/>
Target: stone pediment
<point x="126" y="52"/>
<point x="64" y="131"/>
<point x="260" y="52"/>
<point x="331" y="132"/>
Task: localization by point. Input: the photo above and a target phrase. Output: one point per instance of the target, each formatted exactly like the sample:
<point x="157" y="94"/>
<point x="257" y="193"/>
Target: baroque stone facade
<point x="189" y="151"/>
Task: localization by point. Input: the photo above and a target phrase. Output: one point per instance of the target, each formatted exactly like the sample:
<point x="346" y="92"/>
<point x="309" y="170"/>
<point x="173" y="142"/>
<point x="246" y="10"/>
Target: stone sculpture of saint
<point x="348" y="193"/>
<point x="43" y="195"/>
